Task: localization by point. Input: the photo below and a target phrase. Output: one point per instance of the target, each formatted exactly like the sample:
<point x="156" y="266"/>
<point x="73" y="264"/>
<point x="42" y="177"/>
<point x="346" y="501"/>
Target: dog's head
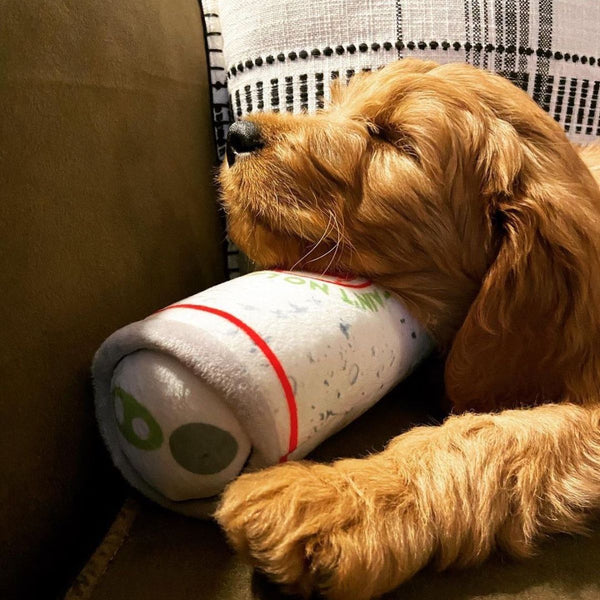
<point x="446" y="184"/>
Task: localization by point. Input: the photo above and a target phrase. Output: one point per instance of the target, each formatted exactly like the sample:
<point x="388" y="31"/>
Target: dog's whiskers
<point x="316" y="245"/>
<point x="322" y="255"/>
<point x="337" y="244"/>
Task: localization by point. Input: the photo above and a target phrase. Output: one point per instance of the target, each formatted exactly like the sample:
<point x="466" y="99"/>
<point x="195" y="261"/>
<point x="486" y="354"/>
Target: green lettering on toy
<point x="295" y="280"/>
<point x="375" y="296"/>
<point x="135" y="422"/>
<point x="370" y="301"/>
<point x="366" y="302"/>
<point x="345" y="297"/>
<point x="319" y="286"/>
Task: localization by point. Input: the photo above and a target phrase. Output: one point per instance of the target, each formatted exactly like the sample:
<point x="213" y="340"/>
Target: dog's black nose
<point x="243" y="136"/>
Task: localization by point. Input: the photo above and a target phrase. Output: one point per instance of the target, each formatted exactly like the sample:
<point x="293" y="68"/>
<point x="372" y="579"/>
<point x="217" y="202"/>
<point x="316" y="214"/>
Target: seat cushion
<point x="170" y="556"/>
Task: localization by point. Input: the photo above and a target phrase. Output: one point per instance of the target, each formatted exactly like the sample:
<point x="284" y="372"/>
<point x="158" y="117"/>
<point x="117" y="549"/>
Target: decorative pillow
<point x="281" y="55"/>
<point x="218" y="73"/>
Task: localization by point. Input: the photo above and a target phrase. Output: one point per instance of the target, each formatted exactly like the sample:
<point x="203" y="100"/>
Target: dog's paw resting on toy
<point x="326" y="528"/>
<point x="451" y="188"/>
<point x="357" y="528"/>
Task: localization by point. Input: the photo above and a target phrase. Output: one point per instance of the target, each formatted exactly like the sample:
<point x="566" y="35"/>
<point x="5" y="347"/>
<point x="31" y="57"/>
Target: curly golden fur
<point x="451" y="188"/>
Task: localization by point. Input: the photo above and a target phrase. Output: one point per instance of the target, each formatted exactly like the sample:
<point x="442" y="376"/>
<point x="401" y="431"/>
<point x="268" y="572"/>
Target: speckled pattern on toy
<point x="249" y="373"/>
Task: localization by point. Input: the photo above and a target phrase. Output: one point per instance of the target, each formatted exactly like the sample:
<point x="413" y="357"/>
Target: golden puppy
<point x="450" y="187"/>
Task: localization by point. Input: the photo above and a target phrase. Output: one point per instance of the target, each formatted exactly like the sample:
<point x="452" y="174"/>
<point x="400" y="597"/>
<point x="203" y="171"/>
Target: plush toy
<point x="249" y="373"/>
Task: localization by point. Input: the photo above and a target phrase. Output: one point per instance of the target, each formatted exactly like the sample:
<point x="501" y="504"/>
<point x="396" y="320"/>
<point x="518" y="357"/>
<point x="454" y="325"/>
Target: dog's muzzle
<point x="243" y="136"/>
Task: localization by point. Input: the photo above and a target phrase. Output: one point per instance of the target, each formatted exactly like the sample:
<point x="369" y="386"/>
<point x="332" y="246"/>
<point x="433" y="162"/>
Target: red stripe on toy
<point x="269" y="355"/>
<point x="343" y="283"/>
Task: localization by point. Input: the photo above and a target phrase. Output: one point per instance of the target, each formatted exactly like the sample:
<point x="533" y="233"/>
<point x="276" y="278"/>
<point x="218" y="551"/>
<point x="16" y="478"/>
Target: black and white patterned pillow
<point x="281" y="55"/>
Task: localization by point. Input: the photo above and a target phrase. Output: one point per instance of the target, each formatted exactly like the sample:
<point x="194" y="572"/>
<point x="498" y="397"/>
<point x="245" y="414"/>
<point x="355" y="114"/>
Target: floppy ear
<point x="531" y="334"/>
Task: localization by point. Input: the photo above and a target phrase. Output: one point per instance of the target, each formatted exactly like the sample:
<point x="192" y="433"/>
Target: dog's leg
<point x="357" y="528"/>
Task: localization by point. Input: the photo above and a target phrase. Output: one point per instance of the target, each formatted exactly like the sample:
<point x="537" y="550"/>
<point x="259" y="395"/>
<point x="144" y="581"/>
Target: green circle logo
<point x="135" y="422"/>
<point x="202" y="448"/>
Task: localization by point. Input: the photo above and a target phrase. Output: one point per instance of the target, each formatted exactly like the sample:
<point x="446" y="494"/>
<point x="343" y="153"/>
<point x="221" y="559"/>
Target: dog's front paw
<point x="313" y="527"/>
<point x="285" y="521"/>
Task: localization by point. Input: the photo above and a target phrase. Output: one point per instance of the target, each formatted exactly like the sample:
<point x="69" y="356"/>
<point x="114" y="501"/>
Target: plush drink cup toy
<point x="249" y="373"/>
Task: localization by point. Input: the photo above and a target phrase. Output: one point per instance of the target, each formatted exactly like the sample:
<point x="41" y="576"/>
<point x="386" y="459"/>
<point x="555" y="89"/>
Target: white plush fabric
<point x="266" y="365"/>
